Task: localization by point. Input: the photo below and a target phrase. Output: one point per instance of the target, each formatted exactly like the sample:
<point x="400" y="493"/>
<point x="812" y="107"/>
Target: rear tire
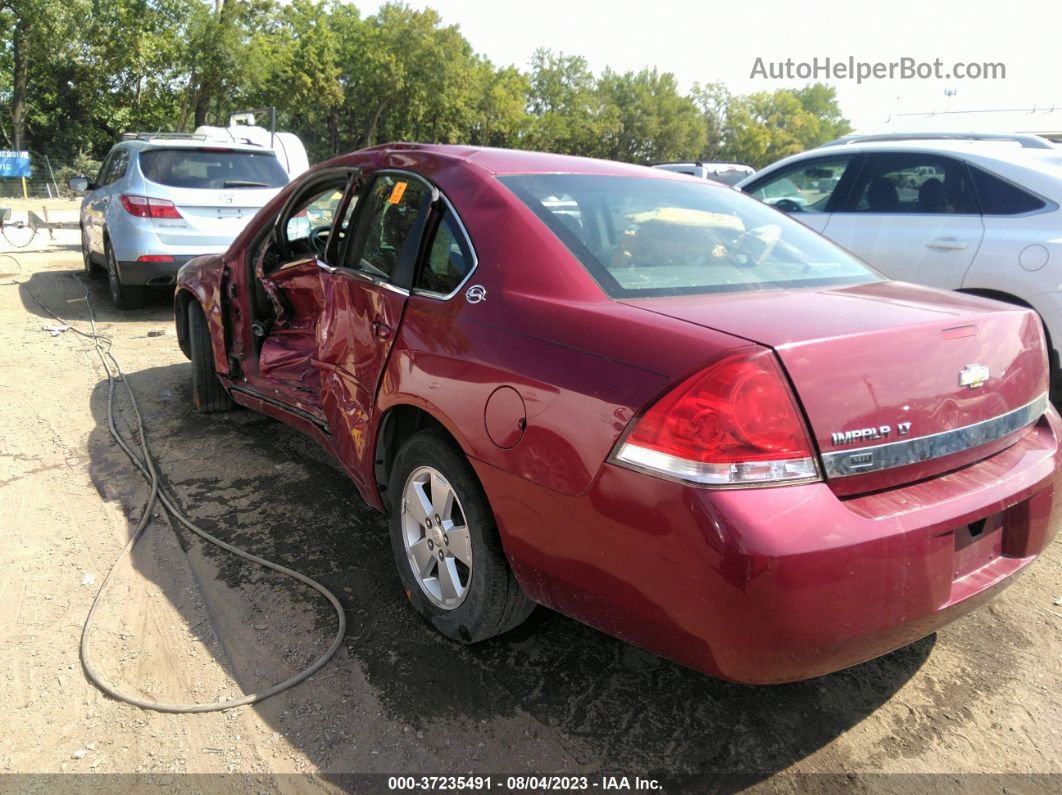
<point x="487" y="600"/>
<point x="124" y="297"/>
<point x="208" y="394"/>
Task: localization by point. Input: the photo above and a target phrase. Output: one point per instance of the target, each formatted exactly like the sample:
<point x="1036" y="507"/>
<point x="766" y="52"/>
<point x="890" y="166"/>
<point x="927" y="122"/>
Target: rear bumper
<point x="779" y="584"/>
<point x="152" y="274"/>
<point x="133" y="238"/>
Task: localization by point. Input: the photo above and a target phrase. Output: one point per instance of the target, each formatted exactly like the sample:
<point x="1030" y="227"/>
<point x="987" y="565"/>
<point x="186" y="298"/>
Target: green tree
<point x="499" y="116"/>
<point x="712" y="101"/>
<point x="219" y="57"/>
<point x="34" y="31"/>
<point x="126" y="73"/>
<point x="296" y="68"/>
<point x="766" y="126"/>
<point x="567" y="113"/>
<point x="76" y="73"/>
<point x="650" y="120"/>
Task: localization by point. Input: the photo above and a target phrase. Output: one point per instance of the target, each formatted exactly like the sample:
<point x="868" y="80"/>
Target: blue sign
<point x="14" y="164"/>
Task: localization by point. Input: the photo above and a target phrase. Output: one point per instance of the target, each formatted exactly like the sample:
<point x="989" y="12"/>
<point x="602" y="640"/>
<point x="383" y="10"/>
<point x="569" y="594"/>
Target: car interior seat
<point x="882" y="196"/>
<point x="932" y="198"/>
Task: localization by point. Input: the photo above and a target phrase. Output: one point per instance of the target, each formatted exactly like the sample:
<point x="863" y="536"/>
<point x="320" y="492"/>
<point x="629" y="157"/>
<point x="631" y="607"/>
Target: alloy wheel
<point x="436" y="538"/>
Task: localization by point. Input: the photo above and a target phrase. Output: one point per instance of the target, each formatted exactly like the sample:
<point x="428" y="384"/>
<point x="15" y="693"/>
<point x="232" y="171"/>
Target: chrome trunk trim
<point x="925" y="448"/>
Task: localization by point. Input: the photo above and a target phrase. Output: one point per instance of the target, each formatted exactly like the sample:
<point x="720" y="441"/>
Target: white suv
<point x="727" y="173"/>
<point x="973" y="213"/>
<point x="161" y="199"/>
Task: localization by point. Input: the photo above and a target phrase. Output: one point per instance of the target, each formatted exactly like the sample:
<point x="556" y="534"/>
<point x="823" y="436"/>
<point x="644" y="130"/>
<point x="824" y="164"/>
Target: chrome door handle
<point x="326" y="267"/>
<point x="947" y="244"/>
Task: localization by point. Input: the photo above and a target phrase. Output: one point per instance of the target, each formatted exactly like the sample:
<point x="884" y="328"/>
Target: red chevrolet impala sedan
<point x="646" y="401"/>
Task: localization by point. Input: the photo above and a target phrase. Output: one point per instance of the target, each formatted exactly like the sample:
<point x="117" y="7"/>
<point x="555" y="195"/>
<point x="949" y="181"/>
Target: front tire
<point x="208" y="394"/>
<point x="124" y="297"/>
<point x="446" y="544"/>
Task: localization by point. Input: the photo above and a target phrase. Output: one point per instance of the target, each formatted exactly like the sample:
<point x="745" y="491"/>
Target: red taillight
<point x="147" y="207"/>
<point x="733" y="423"/>
<point x="155" y="258"/>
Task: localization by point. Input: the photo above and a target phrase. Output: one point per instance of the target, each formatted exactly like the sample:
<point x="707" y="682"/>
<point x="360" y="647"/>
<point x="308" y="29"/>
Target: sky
<point x="709" y="41"/>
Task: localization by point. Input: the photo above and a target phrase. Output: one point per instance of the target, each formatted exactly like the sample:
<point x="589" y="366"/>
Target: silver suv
<point x="160" y="200"/>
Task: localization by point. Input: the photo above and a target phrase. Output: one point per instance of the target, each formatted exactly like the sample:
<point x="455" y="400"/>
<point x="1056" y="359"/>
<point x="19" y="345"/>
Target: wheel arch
<point x="202" y="285"/>
<point x="398" y="423"/>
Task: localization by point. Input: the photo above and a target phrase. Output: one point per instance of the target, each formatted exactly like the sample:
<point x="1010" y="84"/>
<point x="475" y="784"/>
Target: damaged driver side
<point x="287" y="283"/>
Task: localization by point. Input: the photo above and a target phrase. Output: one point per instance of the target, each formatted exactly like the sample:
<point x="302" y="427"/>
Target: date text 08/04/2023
<point x="522" y="783"/>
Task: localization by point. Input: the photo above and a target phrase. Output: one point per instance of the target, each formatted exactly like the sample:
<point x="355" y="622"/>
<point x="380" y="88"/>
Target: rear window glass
<point x="645" y="237"/>
<point x="728" y="177"/>
<point x="212" y="169"/>
<point x="1001" y="198"/>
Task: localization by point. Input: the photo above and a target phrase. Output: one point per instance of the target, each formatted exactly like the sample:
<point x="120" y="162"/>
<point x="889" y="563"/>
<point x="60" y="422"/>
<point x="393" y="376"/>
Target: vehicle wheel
<point x="208" y="394"/>
<point x="92" y="270"/>
<point x="122" y="296"/>
<point x="446" y="544"/>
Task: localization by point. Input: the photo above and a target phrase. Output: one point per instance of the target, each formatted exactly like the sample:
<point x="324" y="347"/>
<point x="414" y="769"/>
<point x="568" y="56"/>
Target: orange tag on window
<point x="397" y="192"/>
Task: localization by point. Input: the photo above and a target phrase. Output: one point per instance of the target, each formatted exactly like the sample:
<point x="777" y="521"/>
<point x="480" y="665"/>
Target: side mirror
<point x="78" y="184"/>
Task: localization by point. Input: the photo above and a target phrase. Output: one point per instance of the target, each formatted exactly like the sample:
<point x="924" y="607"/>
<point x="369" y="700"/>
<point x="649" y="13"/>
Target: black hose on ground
<point x="146" y="466"/>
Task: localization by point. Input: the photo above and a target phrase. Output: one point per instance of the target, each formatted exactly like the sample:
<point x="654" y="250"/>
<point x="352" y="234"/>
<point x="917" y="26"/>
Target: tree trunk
<point x="210" y="85"/>
<point x="202" y="108"/>
<point x="371" y="132"/>
<point x="19" y="81"/>
<point x="333" y="130"/>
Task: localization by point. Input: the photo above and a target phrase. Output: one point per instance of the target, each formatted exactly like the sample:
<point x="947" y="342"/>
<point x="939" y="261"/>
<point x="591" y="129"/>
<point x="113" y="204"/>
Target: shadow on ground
<point x="60" y="291"/>
<point x="551" y="696"/>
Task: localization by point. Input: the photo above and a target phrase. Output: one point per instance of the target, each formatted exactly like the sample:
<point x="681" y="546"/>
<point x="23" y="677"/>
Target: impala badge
<point x="476" y="293"/>
<point x="973" y="376"/>
<point x="875" y="434"/>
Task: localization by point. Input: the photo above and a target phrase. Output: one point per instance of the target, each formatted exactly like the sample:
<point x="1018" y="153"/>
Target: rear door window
<point x="448" y="259"/>
<point x="913" y="183"/>
<point x="998" y="197"/>
<point x="212" y="169"/>
<point x="113" y="167"/>
<point x="119" y="165"/>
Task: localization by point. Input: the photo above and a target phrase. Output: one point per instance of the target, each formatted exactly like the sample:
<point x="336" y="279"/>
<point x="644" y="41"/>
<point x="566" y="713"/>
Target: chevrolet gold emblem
<point x="973" y="376"/>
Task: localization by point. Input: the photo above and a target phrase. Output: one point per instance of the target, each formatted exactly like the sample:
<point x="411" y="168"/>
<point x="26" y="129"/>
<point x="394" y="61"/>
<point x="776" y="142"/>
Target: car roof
<point x="1045" y="161"/>
<point x="704" y="163"/>
<point x="191" y="144"/>
<point x="517" y="161"/>
<point x="1011" y="151"/>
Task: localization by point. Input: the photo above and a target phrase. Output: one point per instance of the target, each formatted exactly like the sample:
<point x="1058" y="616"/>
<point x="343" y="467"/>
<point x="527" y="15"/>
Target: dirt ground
<point x="18" y="205"/>
<point x="188" y="622"/>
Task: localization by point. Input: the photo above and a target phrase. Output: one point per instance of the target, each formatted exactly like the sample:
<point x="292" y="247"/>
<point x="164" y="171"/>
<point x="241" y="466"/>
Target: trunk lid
<point x="864" y="361"/>
<point x="208" y="217"/>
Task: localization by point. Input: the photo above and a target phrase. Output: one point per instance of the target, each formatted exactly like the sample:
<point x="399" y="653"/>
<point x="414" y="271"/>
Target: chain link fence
<point x="50" y="174"/>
